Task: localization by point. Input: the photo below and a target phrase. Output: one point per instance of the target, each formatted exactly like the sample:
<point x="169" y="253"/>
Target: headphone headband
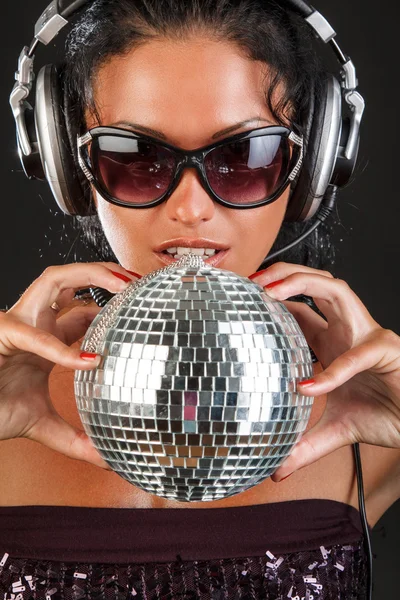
<point x="56" y="16"/>
<point x="68" y="7"/>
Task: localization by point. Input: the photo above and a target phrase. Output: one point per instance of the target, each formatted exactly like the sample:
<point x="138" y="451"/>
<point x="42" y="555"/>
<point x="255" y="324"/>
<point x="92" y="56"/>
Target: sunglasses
<point x="243" y="171"/>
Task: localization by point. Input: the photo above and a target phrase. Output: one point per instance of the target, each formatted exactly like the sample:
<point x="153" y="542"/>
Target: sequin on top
<point x="299" y="576"/>
<point x="303" y="550"/>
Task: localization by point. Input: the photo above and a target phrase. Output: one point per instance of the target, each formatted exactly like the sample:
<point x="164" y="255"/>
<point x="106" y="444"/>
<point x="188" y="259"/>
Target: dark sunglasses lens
<point x="131" y="170"/>
<point x="248" y="171"/>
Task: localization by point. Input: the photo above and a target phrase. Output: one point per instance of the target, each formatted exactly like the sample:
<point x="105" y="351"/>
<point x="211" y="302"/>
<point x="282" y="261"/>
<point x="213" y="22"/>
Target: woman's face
<point x="189" y="91"/>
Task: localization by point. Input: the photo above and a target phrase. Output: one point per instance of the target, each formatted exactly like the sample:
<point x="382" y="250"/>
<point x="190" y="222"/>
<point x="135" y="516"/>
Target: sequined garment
<point x="300" y="576"/>
<point x="167" y="542"/>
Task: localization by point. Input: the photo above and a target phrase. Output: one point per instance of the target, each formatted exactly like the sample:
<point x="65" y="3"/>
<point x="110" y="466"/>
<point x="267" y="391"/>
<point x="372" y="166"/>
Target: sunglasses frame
<point x="190" y="159"/>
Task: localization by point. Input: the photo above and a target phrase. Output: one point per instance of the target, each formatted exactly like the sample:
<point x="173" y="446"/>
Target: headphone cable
<point x="367" y="540"/>
<point x="326" y="208"/>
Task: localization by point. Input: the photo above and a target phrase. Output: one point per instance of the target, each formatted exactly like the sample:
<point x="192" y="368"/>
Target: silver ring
<point x="55" y="307"/>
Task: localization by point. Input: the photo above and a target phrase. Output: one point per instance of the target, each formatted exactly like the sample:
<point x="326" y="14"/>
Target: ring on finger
<point x="84" y="301"/>
<point x="55" y="307"/>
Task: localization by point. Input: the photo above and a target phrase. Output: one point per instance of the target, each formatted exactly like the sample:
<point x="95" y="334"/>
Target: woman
<point x="188" y="74"/>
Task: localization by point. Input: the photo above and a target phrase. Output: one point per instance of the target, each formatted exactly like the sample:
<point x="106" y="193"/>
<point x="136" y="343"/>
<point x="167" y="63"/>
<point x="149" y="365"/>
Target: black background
<point x="34" y="233"/>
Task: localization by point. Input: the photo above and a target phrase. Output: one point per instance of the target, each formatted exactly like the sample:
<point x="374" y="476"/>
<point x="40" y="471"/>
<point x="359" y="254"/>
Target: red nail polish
<point x="274" y="283"/>
<point x="257" y="273"/>
<point x="134" y="274"/>
<point x="307" y="382"/>
<point x="88" y="355"/>
<point x="120" y="276"/>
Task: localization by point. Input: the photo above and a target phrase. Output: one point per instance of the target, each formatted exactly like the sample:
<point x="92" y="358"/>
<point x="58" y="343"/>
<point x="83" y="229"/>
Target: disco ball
<point x="195" y="396"/>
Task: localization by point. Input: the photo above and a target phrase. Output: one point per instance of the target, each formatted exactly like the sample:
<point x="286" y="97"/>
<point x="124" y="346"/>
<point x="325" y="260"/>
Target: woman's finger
<point x="17" y="336"/>
<point x="334" y="298"/>
<point x="281" y="270"/>
<point x="55" y="433"/>
<point x="63" y="281"/>
<point x="363" y="357"/>
<point x="319" y="441"/>
<point x="74" y="324"/>
<point x="310" y="323"/>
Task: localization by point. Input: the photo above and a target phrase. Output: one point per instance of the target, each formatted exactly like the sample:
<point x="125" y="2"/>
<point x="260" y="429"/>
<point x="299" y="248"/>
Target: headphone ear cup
<point x="322" y="141"/>
<point x="32" y="163"/>
<point x="55" y="150"/>
<point x="344" y="167"/>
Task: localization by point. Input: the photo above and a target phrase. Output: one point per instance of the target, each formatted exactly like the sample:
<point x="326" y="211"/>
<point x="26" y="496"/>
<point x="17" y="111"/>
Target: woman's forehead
<point x="182" y="88"/>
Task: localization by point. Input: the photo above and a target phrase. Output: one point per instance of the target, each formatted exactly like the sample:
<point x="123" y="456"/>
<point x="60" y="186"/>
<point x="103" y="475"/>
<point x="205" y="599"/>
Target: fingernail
<point x="257" y="273"/>
<point x="134" y="274"/>
<point x="89" y="356"/>
<point x="307" y="382"/>
<point x="274" y="283"/>
<point x="123" y="277"/>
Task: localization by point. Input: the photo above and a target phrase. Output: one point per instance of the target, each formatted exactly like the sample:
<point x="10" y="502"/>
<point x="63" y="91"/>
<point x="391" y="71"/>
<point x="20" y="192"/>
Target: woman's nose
<point x="190" y="203"/>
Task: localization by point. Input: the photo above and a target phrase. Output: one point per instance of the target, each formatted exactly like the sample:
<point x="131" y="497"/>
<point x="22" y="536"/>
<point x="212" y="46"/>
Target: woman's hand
<point x="361" y="363"/>
<point x="33" y="338"/>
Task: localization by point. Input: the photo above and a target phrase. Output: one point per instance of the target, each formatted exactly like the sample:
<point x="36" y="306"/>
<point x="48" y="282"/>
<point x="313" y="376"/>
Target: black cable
<point x="101" y="296"/>
<point x="326" y="208"/>
<point x="364" y="523"/>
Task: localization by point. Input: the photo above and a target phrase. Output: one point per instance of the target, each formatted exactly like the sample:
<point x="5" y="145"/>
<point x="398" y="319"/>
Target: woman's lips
<point x="211" y="260"/>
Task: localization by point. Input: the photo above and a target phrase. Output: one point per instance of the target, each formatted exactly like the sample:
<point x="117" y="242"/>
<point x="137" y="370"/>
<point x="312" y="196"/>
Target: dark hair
<point x="261" y="28"/>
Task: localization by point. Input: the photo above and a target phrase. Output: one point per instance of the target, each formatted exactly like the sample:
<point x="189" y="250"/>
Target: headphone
<point x="45" y="150"/>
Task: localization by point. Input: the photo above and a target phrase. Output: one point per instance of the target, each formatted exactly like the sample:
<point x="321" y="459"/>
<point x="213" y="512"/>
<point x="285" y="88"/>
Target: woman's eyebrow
<point x="238" y="126"/>
<point x="162" y="136"/>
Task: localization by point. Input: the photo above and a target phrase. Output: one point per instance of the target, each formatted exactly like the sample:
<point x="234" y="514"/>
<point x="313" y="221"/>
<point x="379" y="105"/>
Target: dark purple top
<point x="121" y="535"/>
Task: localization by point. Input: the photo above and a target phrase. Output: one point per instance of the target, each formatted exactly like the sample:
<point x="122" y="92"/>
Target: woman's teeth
<point x="178" y="252"/>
